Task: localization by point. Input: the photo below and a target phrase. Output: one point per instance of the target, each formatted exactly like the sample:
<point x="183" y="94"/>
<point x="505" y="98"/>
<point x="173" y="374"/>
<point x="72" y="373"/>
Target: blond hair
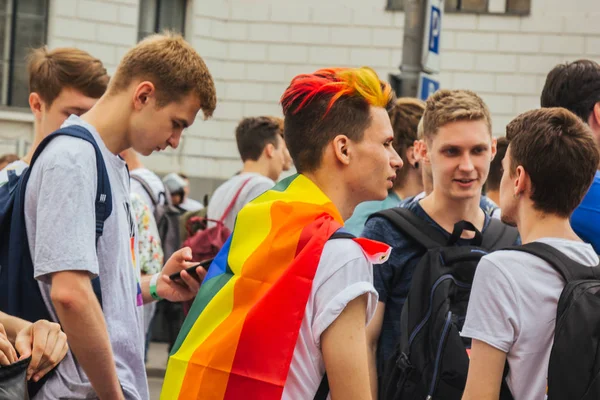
<point x="172" y="65"/>
<point x="50" y="71"/>
<point x="446" y="106"/>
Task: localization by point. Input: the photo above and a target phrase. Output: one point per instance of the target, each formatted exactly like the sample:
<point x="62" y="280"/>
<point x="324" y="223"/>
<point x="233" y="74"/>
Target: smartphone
<point x="192" y="270"/>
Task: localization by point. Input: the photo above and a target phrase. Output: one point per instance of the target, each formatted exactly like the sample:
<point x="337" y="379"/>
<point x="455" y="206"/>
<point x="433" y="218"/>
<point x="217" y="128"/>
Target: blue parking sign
<point x="432" y="35"/>
<point x="427" y="86"/>
<point x="435" y="27"/>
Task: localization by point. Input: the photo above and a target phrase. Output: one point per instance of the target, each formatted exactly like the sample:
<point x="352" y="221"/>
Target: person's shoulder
<point x="222" y="188"/>
<point x="343" y="248"/>
<point x="256" y="180"/>
<point x="67" y="152"/>
<point x="505" y="261"/>
<point x="150" y="178"/>
<point x="382" y="229"/>
<point x="191" y="205"/>
<point x="501" y="257"/>
<point x="222" y="192"/>
<point x="338" y="253"/>
<point x="377" y="225"/>
<point x="578" y="251"/>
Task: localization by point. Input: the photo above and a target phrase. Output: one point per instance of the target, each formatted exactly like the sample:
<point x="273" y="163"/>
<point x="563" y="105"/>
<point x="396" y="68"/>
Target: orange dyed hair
<point x="327" y="103"/>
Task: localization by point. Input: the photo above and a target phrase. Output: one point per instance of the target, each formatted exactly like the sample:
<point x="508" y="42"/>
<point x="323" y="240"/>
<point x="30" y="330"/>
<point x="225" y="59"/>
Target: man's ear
<point x="36" y="104"/>
<point x="341" y="148"/>
<point x="424" y="151"/>
<point x="412" y="156"/>
<point x="595" y="114"/>
<point x="494" y="147"/>
<point x="142" y="94"/>
<point x="522" y="181"/>
<point x="269" y="150"/>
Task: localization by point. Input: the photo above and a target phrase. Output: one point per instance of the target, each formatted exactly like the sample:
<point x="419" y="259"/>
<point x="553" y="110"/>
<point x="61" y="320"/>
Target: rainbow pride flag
<point x="239" y="337"/>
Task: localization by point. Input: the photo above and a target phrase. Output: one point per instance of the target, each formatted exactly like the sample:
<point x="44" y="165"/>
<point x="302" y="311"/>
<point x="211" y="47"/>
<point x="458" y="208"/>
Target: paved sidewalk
<point x="155" y="386"/>
<point x="155" y="367"/>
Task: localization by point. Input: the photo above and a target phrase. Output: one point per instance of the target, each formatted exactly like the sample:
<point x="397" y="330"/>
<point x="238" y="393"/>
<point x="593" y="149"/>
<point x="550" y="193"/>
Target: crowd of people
<point x="413" y="255"/>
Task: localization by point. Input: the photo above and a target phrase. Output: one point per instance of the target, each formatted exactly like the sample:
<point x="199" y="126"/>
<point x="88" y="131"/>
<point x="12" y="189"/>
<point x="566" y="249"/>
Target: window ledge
<point x="493" y="13"/>
<point x="16" y="114"/>
<point x="482" y="13"/>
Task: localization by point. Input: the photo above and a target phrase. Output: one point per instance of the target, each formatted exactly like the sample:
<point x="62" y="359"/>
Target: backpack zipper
<point x="438" y="356"/>
<point x="429" y="310"/>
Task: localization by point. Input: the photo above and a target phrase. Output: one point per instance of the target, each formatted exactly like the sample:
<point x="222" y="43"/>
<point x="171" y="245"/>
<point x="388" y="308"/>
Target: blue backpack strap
<point x="103" y="203"/>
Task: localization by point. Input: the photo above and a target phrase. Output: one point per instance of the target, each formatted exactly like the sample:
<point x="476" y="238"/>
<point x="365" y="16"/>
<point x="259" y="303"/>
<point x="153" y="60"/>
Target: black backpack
<point x="431" y="360"/>
<point x="20" y="294"/>
<point x="574" y="368"/>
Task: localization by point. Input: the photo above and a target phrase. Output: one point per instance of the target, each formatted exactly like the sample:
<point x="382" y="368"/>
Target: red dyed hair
<point x="335" y="83"/>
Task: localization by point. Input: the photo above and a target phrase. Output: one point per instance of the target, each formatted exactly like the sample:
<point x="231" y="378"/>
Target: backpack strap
<point x="146" y="187"/>
<point x="103" y="202"/>
<point x="234" y="200"/>
<point x="498" y="235"/>
<point x="569" y="269"/>
<point x="341" y="234"/>
<point x="418" y="229"/>
<point x="457" y="232"/>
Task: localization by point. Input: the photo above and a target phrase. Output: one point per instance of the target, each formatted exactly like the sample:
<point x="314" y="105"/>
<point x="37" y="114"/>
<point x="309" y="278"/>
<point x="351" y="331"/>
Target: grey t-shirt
<point x="60" y="220"/>
<point x="223" y="196"/>
<point x="513" y="308"/>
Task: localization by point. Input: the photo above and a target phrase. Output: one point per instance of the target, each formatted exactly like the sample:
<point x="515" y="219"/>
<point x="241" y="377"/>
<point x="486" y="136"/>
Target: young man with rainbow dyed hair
<point x="283" y="309"/>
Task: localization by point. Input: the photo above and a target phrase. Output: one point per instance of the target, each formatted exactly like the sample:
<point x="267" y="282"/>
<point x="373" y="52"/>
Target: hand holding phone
<point x="192" y="270"/>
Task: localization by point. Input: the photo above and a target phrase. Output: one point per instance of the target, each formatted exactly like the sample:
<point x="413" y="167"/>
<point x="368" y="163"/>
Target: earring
<point x="516" y="195"/>
<point x="417" y="165"/>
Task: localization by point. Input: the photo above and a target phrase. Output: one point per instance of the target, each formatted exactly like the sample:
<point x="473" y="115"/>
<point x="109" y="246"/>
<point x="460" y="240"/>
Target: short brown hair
<point x="326" y="103"/>
<point x="446" y="106"/>
<point x="255" y="133"/>
<point x="405" y="116"/>
<point x="574" y="86"/>
<point x="50" y="71"/>
<point x="495" y="175"/>
<point x="555" y="148"/>
<point x="172" y="65"/>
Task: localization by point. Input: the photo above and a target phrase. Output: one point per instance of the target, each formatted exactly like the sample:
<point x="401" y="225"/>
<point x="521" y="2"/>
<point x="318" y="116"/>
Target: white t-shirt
<point x="497" y="213"/>
<point x="220" y="200"/>
<point x="153" y="181"/>
<point x="191" y="205"/>
<point x="60" y="221"/>
<point x="343" y="274"/>
<point x="18" y="166"/>
<point x="513" y="308"/>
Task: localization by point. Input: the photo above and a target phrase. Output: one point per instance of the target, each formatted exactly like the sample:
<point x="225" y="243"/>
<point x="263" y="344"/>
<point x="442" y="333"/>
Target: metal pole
<point x="412" y="48"/>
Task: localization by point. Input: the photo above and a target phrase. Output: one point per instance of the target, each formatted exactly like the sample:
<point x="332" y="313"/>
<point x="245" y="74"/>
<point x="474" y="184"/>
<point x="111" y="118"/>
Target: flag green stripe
<point x="209" y="290"/>
<point x="283" y="184"/>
